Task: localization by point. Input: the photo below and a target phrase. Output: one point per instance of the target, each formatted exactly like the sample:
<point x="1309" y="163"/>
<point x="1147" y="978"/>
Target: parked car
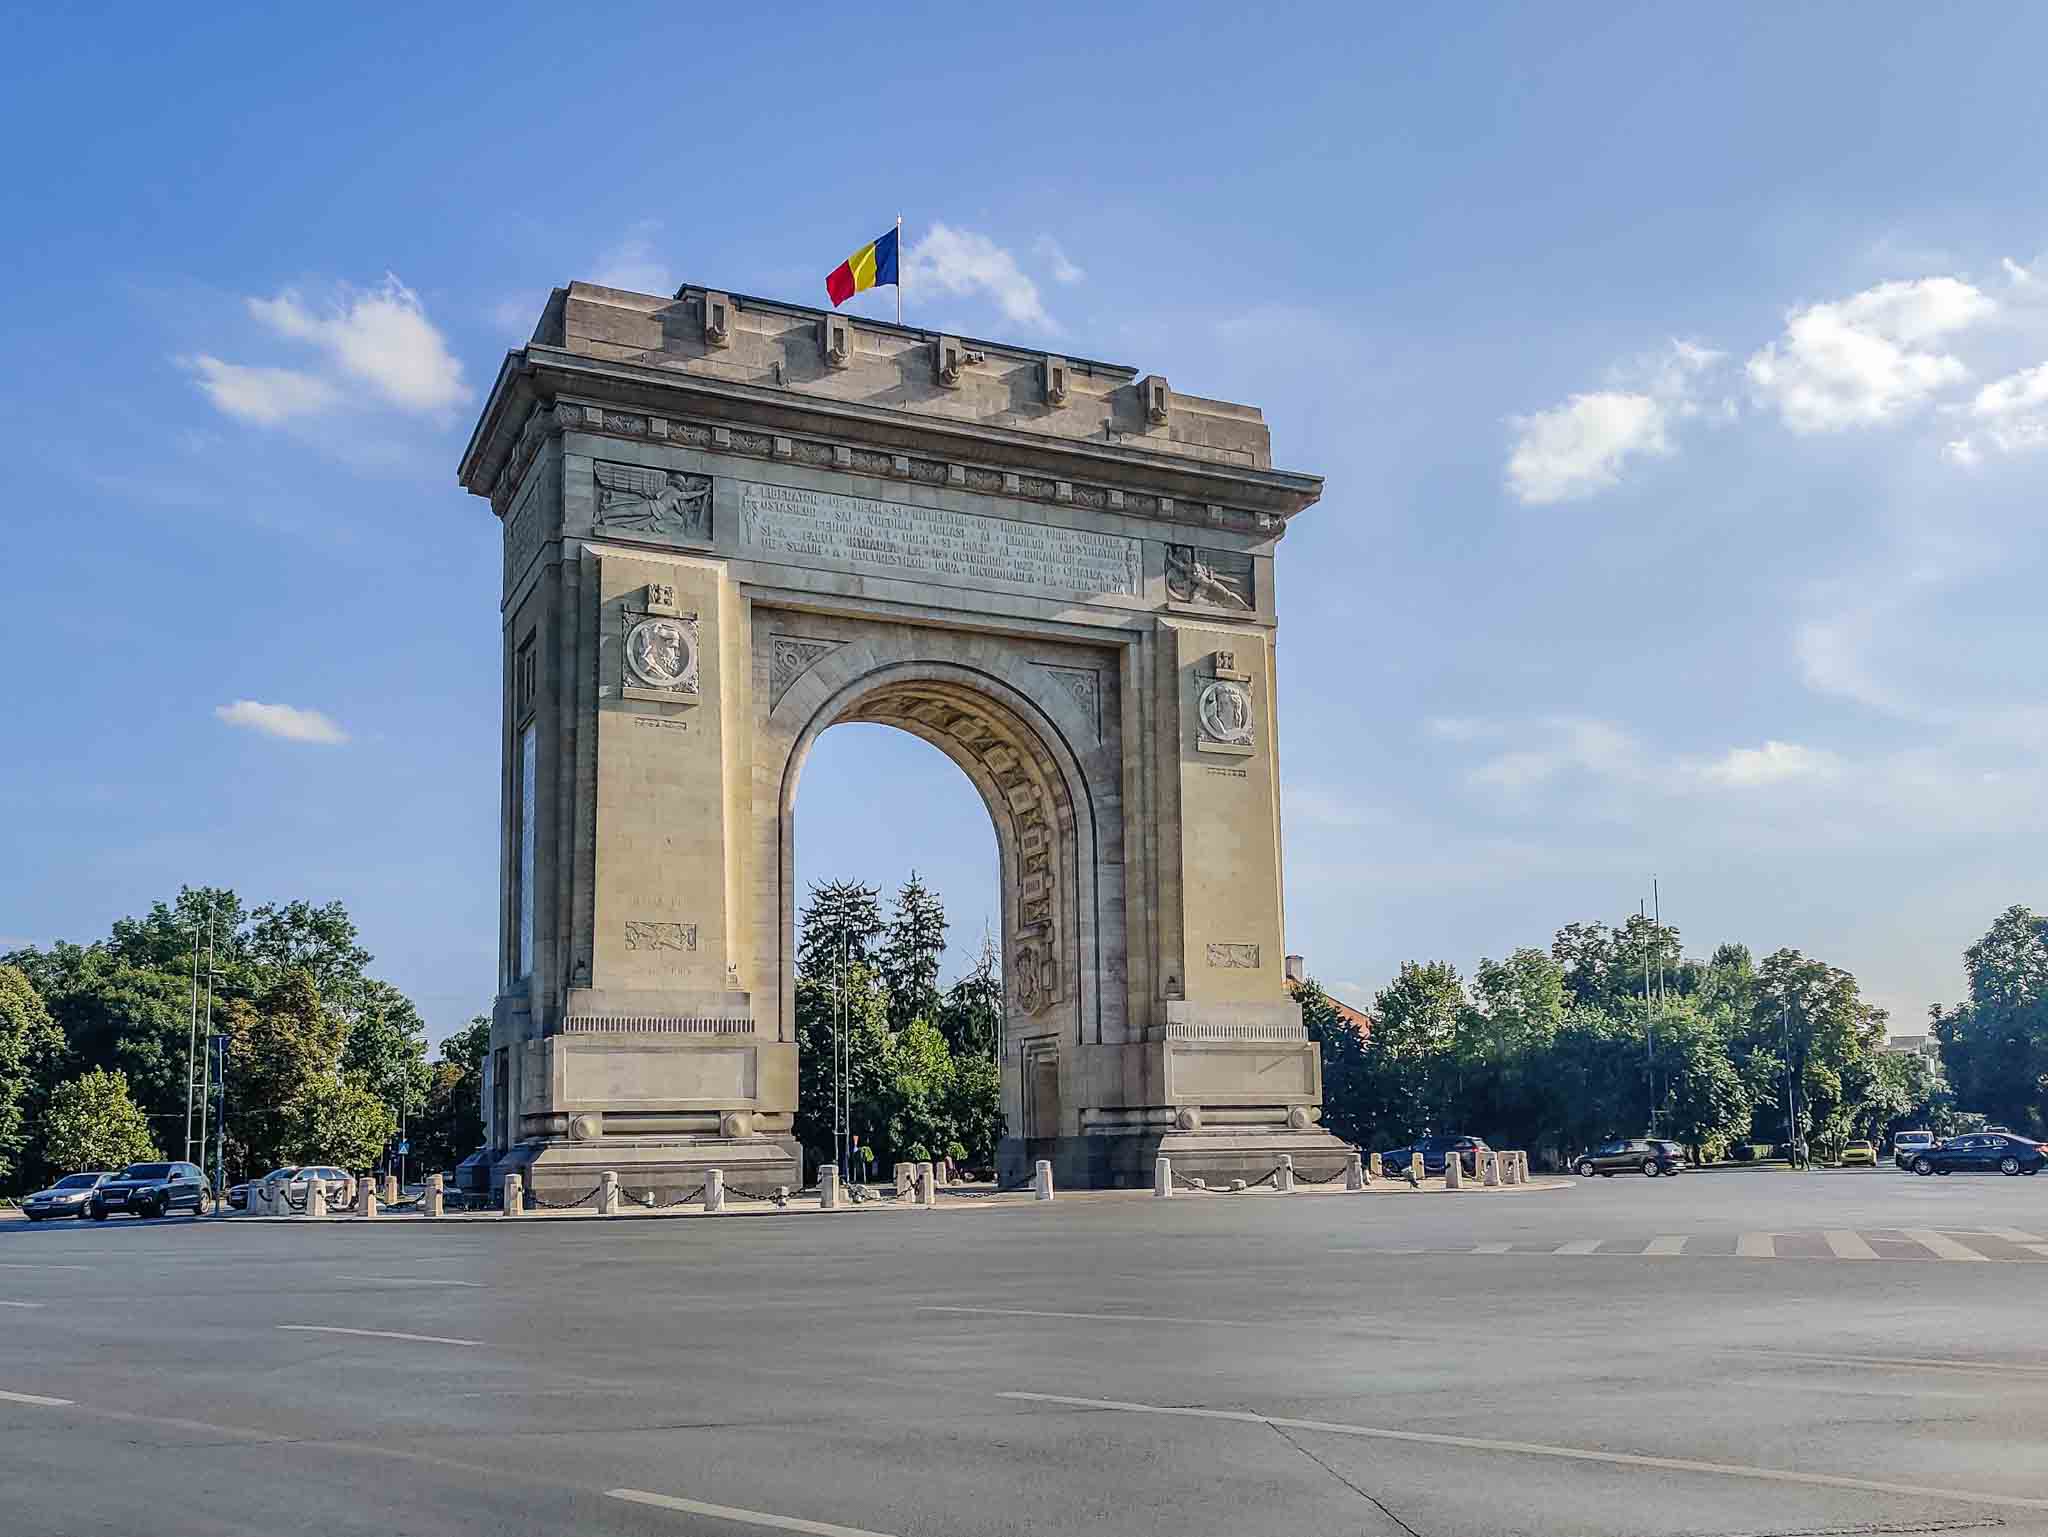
<point x="1858" y="1152"/>
<point x="149" y="1190"/>
<point x="1436" y="1152"/>
<point x="1909" y="1144"/>
<point x="1982" y="1151"/>
<point x="67" y="1198"/>
<point x="1631" y="1155"/>
<point x="292" y="1179"/>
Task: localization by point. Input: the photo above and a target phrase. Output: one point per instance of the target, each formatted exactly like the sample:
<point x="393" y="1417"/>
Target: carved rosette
<point x="792" y="656"/>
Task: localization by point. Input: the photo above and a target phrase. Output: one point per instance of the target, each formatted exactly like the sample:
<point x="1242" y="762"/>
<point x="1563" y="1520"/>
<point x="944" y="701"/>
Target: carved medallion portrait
<point x="662" y="653"/>
<point x="1226" y="711"/>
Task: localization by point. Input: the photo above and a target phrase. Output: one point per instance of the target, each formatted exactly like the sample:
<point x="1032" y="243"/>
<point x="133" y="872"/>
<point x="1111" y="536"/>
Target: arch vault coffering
<point x="730" y="524"/>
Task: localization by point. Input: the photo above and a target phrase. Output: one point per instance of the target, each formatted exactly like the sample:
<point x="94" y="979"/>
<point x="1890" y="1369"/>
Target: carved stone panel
<point x="660" y="504"/>
<point x="1218" y="578"/>
<point x="1084" y="685"/>
<point x="660" y="654"/>
<point x="1235" y="956"/>
<point x="647" y="935"/>
<point x="1225" y="709"/>
<point x="793" y="657"/>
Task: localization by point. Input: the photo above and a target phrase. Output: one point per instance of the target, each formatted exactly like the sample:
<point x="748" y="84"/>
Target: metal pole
<point x="192" y="1044"/>
<point x="220" y="1121"/>
<point x="899" y="269"/>
<point x="206" y="1074"/>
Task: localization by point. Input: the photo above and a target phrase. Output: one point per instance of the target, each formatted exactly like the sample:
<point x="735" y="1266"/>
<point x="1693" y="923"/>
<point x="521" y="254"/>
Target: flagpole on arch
<point x="899" y="269"/>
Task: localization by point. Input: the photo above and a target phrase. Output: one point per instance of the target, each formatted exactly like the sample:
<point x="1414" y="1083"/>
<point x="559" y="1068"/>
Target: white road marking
<point x="45" y="1267"/>
<point x="1491" y="1248"/>
<point x="1115" y="1318"/>
<point x="2009" y="1234"/>
<point x="4" y="1304"/>
<point x="376" y="1334"/>
<point x="2036" y="1248"/>
<point x="1538" y="1449"/>
<point x="1847" y="1245"/>
<point x="1940" y="1246"/>
<point x="35" y="1398"/>
<point x="1755" y="1246"/>
<point x="1578" y="1246"/>
<point x="748" y="1517"/>
<point x="2021" y="1367"/>
<point x="1669" y="1243"/>
<point x="410" y="1280"/>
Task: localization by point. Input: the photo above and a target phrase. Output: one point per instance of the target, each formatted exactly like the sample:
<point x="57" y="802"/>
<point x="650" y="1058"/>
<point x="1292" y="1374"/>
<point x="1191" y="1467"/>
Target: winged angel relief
<point x="665" y="503"/>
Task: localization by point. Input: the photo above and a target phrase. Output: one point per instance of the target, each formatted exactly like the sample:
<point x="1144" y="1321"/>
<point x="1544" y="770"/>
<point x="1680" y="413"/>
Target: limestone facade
<point x="730" y="524"/>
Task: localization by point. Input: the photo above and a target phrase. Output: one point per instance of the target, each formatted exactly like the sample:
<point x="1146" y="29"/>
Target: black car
<point x="66" y="1198"/>
<point x="149" y="1190"/>
<point x="1436" y="1152"/>
<point x="1982" y="1151"/>
<point x="1631" y="1155"/>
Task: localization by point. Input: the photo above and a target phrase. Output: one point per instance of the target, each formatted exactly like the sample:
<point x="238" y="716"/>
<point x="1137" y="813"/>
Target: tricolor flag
<point x="871" y="266"/>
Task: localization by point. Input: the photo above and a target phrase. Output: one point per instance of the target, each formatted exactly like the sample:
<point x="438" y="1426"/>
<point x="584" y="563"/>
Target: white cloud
<point x="633" y="265"/>
<point x="2018" y="276"/>
<point x="1582" y="446"/>
<point x="1868" y="358"/>
<point x="265" y="396"/>
<point x="380" y="336"/>
<point x="2014" y="411"/>
<point x="282" y="720"/>
<point x="1744" y="768"/>
<point x="963" y="263"/>
<point x="1564" y="745"/>
<point x="1063" y="270"/>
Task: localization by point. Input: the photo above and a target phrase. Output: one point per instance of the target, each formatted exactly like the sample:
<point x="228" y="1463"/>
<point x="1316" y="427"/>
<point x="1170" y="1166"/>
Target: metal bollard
<point x="515" y="1196"/>
<point x="714" y="1190"/>
<point x="1454" y="1172"/>
<point x="1375" y="1169"/>
<point x="1162" y="1177"/>
<point x="1354" y="1173"/>
<point x="608" y="1194"/>
<point x="435" y="1202"/>
<point x="828" y="1187"/>
<point x="1041" y="1181"/>
<point x="1284" y="1183"/>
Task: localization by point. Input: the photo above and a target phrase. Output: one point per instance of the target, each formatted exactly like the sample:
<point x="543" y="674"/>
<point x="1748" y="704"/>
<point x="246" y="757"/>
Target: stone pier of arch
<point x="730" y="524"/>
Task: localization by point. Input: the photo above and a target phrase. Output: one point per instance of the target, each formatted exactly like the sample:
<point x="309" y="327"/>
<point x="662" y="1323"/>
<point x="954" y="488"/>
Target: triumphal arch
<point x="732" y="523"/>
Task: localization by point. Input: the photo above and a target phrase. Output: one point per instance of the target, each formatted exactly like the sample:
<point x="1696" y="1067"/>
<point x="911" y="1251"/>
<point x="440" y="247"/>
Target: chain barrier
<point x="407" y="1204"/>
<point x="1328" y="1179"/>
<point x="584" y="1199"/>
<point x="1187" y="1183"/>
<point x="645" y="1199"/>
<point x="778" y="1196"/>
<point x="298" y="1205"/>
<point x="1029" y="1182"/>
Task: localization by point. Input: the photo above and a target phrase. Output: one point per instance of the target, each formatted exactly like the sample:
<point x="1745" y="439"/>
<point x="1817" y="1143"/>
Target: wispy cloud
<point x="635" y="264"/>
<point x="1743" y="768"/>
<point x="282" y="720"/>
<point x="380" y="337"/>
<point x="1063" y="270"/>
<point x="1869" y="358"/>
<point x="265" y="396"/>
<point x="966" y="264"/>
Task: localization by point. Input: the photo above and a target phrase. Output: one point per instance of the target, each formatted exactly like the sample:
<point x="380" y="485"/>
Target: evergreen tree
<point x="912" y="948"/>
<point x="971" y="1019"/>
<point x="841" y="925"/>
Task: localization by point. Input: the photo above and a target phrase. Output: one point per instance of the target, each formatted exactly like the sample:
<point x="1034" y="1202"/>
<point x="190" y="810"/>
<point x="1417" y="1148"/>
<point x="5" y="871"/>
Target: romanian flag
<point x="871" y="266"/>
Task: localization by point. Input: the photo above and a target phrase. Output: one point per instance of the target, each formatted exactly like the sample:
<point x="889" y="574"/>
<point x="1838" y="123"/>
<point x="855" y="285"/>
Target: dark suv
<point x="149" y="1190"/>
<point x="1631" y="1155"/>
<point x="1436" y="1152"/>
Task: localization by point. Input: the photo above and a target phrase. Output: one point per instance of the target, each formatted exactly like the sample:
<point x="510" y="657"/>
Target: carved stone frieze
<point x="1216" y="577"/>
<point x="1241" y="957"/>
<point x="655" y="935"/>
<point x="663" y="504"/>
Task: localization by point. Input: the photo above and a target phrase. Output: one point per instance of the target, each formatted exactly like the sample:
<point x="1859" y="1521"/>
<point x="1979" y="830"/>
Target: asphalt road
<point x="1755" y="1352"/>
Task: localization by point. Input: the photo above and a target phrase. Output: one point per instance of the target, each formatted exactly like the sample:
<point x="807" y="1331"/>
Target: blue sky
<point x="1681" y="379"/>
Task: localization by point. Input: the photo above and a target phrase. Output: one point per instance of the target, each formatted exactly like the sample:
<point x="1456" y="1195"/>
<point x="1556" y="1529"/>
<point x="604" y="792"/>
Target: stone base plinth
<point x="1124" y="1160"/>
<point x="667" y="1167"/>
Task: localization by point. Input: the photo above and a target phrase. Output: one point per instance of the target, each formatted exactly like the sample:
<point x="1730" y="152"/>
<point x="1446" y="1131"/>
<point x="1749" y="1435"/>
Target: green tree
<point x="281" y="1048"/>
<point x="971" y="1017"/>
<point x="31" y="1050"/>
<point x="1995" y="1047"/>
<point x="450" y="1123"/>
<point x="913" y="946"/>
<point x="840" y="925"/>
<point x="857" y="1005"/>
<point x="921" y="1090"/>
<point x="1347" y="1096"/>
<point x="339" y="1120"/>
<point x="387" y="1045"/>
<point x="92" y="1123"/>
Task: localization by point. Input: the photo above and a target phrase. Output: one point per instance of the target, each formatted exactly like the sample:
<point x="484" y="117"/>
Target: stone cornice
<point x="624" y="400"/>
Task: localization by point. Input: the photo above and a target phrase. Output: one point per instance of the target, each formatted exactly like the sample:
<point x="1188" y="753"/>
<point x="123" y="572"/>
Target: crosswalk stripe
<point x="2012" y="1235"/>
<point x="2036" y="1248"/>
<point x="1755" y="1246"/>
<point x="1847" y="1245"/>
<point x="1668" y="1243"/>
<point x="1578" y="1246"/>
<point x="1940" y="1245"/>
<point x="1491" y="1248"/>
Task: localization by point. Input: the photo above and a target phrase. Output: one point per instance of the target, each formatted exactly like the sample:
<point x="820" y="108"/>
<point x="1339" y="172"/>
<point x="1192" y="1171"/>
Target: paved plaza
<point x="1742" y="1353"/>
